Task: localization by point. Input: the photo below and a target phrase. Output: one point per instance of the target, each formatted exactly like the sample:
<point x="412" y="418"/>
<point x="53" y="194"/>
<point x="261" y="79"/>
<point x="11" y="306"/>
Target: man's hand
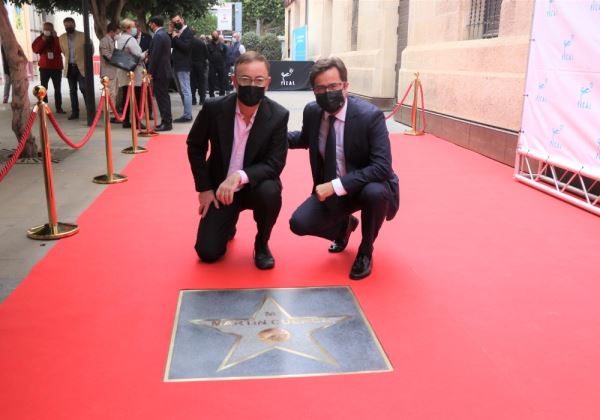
<point x="324" y="191"/>
<point x="227" y="188"/>
<point x="206" y="198"/>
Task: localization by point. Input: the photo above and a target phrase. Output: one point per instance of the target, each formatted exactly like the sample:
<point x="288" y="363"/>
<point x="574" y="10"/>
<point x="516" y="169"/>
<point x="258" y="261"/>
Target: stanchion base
<point x="113" y="179"/>
<point x="47" y="232"/>
<point x="414" y="133"/>
<point x="133" y="150"/>
<point x="147" y="133"/>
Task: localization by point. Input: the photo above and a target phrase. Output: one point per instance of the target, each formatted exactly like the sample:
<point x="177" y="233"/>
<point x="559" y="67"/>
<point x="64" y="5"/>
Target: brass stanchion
<point x="134" y="149"/>
<point x="416" y="87"/>
<point x="110" y="177"/>
<point x="148" y="132"/>
<point x="53" y="229"/>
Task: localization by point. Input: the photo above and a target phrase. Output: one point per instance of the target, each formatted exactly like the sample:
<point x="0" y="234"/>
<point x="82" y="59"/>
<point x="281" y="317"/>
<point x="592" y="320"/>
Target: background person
<point x="50" y="63"/>
<point x="199" y="64"/>
<point x="6" y="76"/>
<point x="127" y="42"/>
<point x="72" y="44"/>
<point x="159" y="66"/>
<point x="217" y="60"/>
<point x="181" y="57"/>
<point x="107" y="46"/>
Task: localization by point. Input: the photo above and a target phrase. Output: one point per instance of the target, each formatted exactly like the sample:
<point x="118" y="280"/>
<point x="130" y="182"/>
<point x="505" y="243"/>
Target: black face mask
<point x="178" y="26"/>
<point x="250" y="95"/>
<point x="70" y="30"/>
<point x="330" y="101"/>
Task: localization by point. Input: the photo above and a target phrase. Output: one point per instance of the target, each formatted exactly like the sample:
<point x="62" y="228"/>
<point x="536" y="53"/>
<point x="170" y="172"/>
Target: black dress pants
<point x="160" y="89"/>
<point x="55" y="75"/>
<point x="216" y="79"/>
<point x="329" y="219"/>
<point x="197" y="82"/>
<point x="216" y="227"/>
<point x="74" y="77"/>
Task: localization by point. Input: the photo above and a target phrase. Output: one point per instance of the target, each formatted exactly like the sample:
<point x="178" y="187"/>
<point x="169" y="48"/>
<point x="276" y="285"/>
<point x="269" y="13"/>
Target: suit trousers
<point x="329" y="219"/>
<point x="216" y="79"/>
<point x="160" y="88"/>
<point x="217" y="227"/>
<point x="75" y="77"/>
<point x="56" y="75"/>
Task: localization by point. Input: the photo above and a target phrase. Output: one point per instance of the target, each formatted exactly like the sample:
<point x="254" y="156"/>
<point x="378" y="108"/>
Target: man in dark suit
<point x="217" y="59"/>
<point x="181" y="39"/>
<point x="351" y="166"/>
<point x="159" y="66"/>
<point x="247" y="135"/>
<point x="199" y="63"/>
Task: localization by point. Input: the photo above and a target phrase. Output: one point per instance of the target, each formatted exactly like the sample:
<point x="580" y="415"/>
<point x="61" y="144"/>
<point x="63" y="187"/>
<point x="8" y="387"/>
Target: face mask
<point x="331" y="101"/>
<point x="250" y="95"/>
<point x="70" y="30"/>
<point x="215" y="39"/>
<point x="47" y="33"/>
<point x="178" y="26"/>
<point x="133" y="31"/>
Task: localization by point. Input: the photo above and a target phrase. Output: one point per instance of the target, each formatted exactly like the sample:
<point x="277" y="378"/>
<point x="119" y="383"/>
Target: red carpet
<point x="484" y="295"/>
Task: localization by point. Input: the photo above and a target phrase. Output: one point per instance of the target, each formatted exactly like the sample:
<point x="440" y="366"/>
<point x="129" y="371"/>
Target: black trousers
<point x="216" y="227"/>
<point x="160" y="88"/>
<point x="197" y="82"/>
<point x="56" y="76"/>
<point x="329" y="219"/>
<point x="75" y="77"/>
<point x="216" y="79"/>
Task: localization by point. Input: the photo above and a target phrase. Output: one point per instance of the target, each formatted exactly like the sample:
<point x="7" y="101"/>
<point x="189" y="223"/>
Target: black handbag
<point x="123" y="59"/>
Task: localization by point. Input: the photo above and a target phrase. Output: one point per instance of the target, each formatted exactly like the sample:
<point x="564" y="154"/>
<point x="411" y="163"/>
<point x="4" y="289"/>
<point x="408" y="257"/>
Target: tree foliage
<point x="251" y="41"/>
<point x="270" y="47"/>
<point x="203" y="25"/>
<point x="270" y="15"/>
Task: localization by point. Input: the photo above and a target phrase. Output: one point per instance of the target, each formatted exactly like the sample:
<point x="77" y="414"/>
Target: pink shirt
<point x="241" y="131"/>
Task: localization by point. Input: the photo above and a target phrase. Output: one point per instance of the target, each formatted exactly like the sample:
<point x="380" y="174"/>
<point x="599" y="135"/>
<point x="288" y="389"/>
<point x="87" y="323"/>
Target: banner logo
<point x="567" y="56"/>
<point x="540" y="95"/>
<point x="555" y="143"/>
<point x="583" y="104"/>
<point x="287" y="82"/>
<point x="551" y="9"/>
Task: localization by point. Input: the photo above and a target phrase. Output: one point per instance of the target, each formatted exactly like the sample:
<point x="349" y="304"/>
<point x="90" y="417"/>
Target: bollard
<point x="148" y="132"/>
<point x="110" y="177"/>
<point x="53" y="229"/>
<point x="416" y="88"/>
<point x="134" y="149"/>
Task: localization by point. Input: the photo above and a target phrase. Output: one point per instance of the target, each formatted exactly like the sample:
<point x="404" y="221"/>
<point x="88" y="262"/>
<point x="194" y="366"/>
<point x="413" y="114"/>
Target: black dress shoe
<point x="362" y="267"/>
<point x="182" y="120"/>
<point x="164" y="127"/>
<point x="126" y="124"/>
<point x="341" y="243"/>
<point x="73" y="117"/>
<point x="263" y="259"/>
<point x="113" y="120"/>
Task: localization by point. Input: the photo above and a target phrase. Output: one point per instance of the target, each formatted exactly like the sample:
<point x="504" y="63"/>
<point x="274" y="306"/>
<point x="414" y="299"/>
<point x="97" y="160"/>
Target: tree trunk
<point x="258" y="26"/>
<point x="17" y="61"/>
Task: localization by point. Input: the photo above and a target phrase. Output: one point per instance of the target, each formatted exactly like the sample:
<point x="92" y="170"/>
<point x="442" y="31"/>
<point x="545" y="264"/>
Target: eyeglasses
<point x="247" y="81"/>
<point x="328" y="88"/>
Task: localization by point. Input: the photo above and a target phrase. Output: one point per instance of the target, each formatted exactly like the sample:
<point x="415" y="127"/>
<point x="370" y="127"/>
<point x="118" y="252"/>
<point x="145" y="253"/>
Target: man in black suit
<point x="217" y="59"/>
<point x="199" y="62"/>
<point x="181" y="39"/>
<point x="351" y="166"/>
<point x="159" y="66"/>
<point x="247" y="135"/>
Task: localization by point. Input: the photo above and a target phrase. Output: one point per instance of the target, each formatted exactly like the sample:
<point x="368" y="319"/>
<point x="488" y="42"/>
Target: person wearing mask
<point x="6" y="76"/>
<point x="181" y="57"/>
<point x="217" y="59"/>
<point x="246" y="134"/>
<point x="159" y="66"/>
<point x="199" y="63"/>
<point x="143" y="38"/>
<point x="235" y="50"/>
<point x="51" y="63"/>
<point x="351" y="165"/>
<point x="72" y="45"/>
<point x="107" y="46"/>
<point x="128" y="43"/>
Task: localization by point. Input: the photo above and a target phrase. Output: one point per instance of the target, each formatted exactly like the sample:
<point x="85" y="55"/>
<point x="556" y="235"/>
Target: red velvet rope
<point x="141" y="106"/>
<point x="121" y="117"/>
<point x="399" y="104"/>
<point x="11" y="162"/>
<point x="65" y="138"/>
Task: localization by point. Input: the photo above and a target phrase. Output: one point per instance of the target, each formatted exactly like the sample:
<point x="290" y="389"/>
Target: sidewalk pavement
<point x="22" y="195"/>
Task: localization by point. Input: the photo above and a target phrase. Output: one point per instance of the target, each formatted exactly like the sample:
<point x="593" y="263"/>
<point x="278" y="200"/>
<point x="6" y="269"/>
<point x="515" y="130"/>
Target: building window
<point x="354" y="33"/>
<point x="484" y="19"/>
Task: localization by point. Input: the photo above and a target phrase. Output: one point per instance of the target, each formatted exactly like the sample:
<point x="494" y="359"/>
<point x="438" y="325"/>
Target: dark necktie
<point x="330" y="155"/>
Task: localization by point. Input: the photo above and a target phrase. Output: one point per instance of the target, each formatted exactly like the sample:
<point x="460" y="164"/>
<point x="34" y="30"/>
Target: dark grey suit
<point x="159" y="66"/>
<point x="264" y="159"/>
<point x="370" y="181"/>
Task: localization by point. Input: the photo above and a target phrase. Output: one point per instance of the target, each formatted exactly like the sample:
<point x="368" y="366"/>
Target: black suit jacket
<point x="159" y="62"/>
<point x="199" y="53"/>
<point x="266" y="149"/>
<point x="182" y="50"/>
<point x="366" y="148"/>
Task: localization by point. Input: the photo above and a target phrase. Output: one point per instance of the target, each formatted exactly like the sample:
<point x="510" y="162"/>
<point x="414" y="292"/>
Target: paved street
<point x="22" y="196"/>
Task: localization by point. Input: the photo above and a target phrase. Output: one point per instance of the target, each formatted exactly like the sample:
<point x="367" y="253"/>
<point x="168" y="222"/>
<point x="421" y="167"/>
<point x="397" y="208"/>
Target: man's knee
<point x="208" y="253"/>
<point x="374" y="192"/>
<point x="268" y="191"/>
<point x="298" y="225"/>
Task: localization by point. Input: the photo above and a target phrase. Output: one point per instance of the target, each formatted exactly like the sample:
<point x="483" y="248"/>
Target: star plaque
<point x="234" y="334"/>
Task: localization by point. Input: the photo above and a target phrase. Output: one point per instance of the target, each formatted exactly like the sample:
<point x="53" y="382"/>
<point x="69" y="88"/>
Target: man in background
<point x="159" y="66"/>
<point x="51" y="63"/>
<point x="72" y="44"/>
<point x="199" y="63"/>
<point x="107" y="46"/>
<point x="217" y="60"/>
<point x="181" y="56"/>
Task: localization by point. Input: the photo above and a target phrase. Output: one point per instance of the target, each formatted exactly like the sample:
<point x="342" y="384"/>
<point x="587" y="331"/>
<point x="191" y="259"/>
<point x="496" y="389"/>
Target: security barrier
<point x="418" y="90"/>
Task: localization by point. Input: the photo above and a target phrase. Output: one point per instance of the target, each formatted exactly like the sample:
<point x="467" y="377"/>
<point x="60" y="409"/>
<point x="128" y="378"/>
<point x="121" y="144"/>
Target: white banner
<point x="561" y="114"/>
<point x="225" y="17"/>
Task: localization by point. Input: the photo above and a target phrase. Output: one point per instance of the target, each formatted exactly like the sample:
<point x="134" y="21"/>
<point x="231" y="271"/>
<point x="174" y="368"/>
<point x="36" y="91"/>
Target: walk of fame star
<point x="272" y="328"/>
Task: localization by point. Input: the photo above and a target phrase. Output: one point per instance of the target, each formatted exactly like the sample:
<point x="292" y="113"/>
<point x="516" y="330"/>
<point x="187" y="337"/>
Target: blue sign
<point x="299" y="46"/>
